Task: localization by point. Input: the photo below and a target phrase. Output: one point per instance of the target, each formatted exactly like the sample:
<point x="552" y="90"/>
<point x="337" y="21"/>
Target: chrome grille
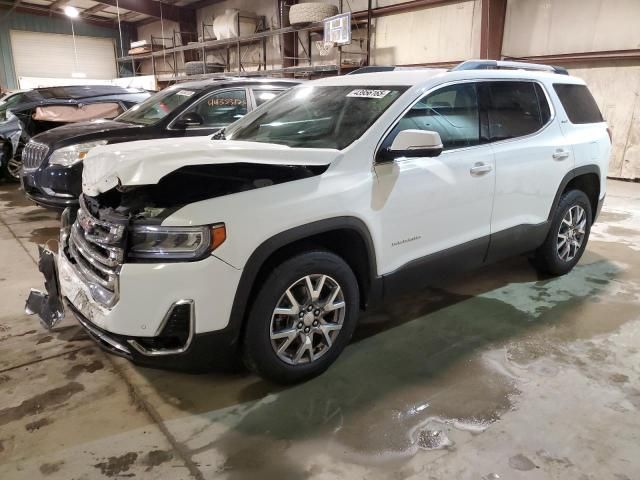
<point x="33" y="155"/>
<point x="96" y="248"/>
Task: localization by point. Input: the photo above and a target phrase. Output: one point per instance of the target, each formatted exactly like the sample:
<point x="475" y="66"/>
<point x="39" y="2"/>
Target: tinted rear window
<point x="516" y="109"/>
<point x="578" y="103"/>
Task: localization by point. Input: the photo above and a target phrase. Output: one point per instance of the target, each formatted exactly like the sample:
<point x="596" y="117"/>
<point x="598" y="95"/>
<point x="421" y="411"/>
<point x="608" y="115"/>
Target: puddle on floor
<point x="423" y="385"/>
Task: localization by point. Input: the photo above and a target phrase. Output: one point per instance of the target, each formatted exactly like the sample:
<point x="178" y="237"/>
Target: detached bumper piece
<point x="48" y="306"/>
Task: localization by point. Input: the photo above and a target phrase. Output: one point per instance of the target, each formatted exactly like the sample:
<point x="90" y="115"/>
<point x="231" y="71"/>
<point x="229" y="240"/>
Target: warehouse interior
<point x="501" y="372"/>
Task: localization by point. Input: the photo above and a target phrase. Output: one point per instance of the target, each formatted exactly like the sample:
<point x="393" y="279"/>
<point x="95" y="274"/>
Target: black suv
<point x="29" y="113"/>
<point x="52" y="173"/>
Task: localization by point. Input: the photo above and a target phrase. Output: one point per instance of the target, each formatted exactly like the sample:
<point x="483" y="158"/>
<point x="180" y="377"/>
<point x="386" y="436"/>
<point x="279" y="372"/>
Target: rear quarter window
<point x="578" y="103"/>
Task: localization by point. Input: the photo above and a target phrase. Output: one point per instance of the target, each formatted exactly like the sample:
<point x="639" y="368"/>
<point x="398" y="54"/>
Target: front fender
<point x="262" y="253"/>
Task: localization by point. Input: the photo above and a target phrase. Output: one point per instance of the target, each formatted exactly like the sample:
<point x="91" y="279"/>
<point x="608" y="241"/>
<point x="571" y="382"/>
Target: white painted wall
<point x="545" y="27"/>
<point x="435" y="34"/>
<point x="616" y="88"/>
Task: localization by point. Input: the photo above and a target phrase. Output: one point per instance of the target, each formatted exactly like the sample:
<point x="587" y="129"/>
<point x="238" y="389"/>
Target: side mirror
<point x="189" y="120"/>
<point x="414" y="143"/>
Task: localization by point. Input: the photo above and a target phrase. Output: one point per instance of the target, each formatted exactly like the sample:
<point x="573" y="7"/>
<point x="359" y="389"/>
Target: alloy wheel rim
<point x="13" y="167"/>
<point x="571" y="233"/>
<point x="307" y="319"/>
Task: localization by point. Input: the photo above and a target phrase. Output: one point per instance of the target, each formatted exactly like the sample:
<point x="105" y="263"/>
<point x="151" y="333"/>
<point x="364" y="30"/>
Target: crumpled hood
<point x="146" y="162"/>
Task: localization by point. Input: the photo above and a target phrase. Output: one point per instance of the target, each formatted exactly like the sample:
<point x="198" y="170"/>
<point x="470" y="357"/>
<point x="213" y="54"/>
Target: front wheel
<point x="302" y="318"/>
<point x="568" y="235"/>
<point x="13" y="163"/>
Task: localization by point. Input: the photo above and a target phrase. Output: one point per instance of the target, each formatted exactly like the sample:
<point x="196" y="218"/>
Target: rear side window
<point x="515" y="109"/>
<point x="578" y="103"/>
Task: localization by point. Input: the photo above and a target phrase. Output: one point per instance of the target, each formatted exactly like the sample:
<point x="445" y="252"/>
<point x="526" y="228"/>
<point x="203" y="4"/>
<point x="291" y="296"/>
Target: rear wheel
<point x="302" y="318"/>
<point x="568" y="235"/>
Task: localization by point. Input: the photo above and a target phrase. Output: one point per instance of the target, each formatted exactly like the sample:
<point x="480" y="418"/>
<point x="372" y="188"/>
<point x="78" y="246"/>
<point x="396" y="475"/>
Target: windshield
<point x="316" y="117"/>
<point x="158" y="106"/>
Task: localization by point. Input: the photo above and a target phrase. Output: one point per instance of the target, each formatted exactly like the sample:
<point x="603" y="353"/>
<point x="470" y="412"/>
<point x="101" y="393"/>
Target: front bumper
<point x="53" y="186"/>
<point x="148" y="292"/>
<point x="206" y="351"/>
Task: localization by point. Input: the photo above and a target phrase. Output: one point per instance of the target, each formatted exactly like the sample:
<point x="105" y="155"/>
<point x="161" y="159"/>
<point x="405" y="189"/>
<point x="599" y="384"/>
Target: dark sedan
<point x="52" y="173"/>
<point x="29" y="113"/>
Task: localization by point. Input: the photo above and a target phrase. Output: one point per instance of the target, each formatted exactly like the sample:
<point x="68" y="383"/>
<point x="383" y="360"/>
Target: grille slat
<point x="96" y="247"/>
<point x="33" y="155"/>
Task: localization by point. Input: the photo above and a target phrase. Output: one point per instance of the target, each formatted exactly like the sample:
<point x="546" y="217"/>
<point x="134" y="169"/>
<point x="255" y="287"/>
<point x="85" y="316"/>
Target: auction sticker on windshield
<point x="364" y="93"/>
<point x="185" y="93"/>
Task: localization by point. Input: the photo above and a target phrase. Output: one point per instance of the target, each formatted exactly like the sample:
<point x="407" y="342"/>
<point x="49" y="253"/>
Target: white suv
<point x="269" y="238"/>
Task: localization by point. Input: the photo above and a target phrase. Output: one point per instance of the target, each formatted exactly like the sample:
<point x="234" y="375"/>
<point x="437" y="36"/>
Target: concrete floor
<point x="499" y="375"/>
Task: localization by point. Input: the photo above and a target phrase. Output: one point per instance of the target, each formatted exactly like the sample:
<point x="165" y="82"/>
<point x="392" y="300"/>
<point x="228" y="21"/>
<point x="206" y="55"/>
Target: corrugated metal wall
<point x="38" y="23"/>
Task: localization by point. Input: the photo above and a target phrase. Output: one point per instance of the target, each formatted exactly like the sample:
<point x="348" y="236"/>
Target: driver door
<point x="435" y="212"/>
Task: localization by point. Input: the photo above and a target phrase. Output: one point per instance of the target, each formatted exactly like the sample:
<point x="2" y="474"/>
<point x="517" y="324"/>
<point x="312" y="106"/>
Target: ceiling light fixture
<point x="71" y="12"/>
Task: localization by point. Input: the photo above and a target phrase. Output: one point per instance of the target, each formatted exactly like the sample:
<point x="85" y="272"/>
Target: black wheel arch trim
<point x="267" y="248"/>
<point x="576" y="172"/>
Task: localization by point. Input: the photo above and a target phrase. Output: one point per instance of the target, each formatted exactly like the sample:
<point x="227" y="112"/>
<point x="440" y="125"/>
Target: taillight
<point x="610" y="134"/>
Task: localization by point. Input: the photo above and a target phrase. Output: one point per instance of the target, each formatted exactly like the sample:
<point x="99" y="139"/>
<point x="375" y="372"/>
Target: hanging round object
<point x="312" y="12"/>
<point x="225" y="26"/>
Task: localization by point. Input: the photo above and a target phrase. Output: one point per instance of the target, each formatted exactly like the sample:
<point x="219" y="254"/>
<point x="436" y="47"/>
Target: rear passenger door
<point x="531" y="155"/>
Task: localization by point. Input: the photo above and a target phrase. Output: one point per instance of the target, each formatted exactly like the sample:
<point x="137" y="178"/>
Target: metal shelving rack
<point x="257" y="41"/>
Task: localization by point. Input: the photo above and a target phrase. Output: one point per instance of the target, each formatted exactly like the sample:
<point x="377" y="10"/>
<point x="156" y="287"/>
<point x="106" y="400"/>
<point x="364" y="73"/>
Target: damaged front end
<point x="117" y="238"/>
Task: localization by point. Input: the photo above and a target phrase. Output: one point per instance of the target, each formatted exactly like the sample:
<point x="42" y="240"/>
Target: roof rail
<point x="505" y="64"/>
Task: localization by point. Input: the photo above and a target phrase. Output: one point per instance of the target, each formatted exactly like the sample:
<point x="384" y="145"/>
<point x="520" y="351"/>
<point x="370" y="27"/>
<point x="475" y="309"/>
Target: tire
<point x="10" y="169"/>
<point x="549" y="257"/>
<point x="312" y="12"/>
<point x="259" y="349"/>
<point x="199" y="68"/>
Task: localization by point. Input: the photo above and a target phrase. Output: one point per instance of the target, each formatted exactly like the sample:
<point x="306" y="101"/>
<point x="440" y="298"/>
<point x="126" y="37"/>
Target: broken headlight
<point x="175" y="243"/>
<point x="68" y="156"/>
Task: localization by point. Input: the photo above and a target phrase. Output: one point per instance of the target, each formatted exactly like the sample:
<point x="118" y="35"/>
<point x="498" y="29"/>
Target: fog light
<point x="174" y="334"/>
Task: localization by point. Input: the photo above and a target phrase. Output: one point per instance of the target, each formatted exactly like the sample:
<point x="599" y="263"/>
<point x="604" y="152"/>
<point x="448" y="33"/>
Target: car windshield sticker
<point x="362" y="93"/>
<point x="185" y="93"/>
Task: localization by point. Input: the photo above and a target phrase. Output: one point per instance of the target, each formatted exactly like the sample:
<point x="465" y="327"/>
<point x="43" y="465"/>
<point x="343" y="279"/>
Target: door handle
<point x="560" y="155"/>
<point x="480" y="169"/>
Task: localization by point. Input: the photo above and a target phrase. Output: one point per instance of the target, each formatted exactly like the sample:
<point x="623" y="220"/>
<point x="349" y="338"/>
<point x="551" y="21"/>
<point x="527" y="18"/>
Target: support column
<point x="492" y="28"/>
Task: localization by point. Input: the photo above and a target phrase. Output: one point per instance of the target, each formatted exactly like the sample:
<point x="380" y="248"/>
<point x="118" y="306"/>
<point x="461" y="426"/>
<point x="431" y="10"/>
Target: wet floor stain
<point x="521" y="462"/>
<point x="115" y="466"/>
<point x="37" y="425"/>
<point x="50" y="468"/>
<point x="622" y="232"/>
<point x="39" y="403"/>
<point x="419" y="376"/>
<point x="42" y="236"/>
<point x="611" y="217"/>
<point x="156" y="458"/>
<point x="75" y="371"/>
<point x="12" y="196"/>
